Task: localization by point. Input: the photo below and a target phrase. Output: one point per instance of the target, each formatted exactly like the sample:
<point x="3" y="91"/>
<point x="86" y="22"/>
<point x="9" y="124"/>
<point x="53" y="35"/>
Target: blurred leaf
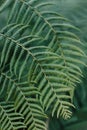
<point x="78" y="126"/>
<point x="82" y="114"/>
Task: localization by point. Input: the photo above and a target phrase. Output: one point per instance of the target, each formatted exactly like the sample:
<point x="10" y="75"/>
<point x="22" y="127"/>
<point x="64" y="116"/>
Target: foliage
<point x="41" y="61"/>
<point x="76" y="11"/>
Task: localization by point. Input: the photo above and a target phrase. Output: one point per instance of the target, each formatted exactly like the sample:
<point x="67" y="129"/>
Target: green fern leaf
<point x="40" y="62"/>
<point x="9" y="118"/>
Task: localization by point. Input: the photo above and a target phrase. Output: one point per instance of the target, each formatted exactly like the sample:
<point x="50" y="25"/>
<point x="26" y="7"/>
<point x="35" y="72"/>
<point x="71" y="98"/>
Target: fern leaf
<point x="36" y="42"/>
<point x="25" y="104"/>
<point x="9" y="118"/>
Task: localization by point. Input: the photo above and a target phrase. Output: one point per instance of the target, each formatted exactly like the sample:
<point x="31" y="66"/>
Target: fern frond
<point x="43" y="57"/>
<point x="9" y="118"/>
<point x="25" y="102"/>
<point x="37" y="64"/>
